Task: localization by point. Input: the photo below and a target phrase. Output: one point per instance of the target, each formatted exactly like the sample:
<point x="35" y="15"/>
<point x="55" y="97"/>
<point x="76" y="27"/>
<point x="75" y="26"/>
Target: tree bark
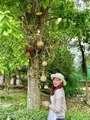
<point x="33" y="100"/>
<point x="84" y="70"/>
<point x="37" y="22"/>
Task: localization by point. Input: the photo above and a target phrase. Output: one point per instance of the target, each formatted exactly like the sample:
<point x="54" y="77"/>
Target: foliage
<point x="23" y="114"/>
<point x="62" y="62"/>
<point x="86" y="1"/>
<point x="17" y="111"/>
<point x="72" y="21"/>
<point x="37" y="115"/>
<point x="11" y="43"/>
<point x="73" y="87"/>
<point x="77" y="116"/>
<point x="76" y="25"/>
<point x="5" y="98"/>
<point x="17" y="98"/>
<point x="30" y="15"/>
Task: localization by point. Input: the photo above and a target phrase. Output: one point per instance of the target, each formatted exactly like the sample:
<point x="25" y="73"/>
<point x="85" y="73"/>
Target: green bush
<point x="63" y="63"/>
<point x="41" y="114"/>
<point x="78" y="116"/>
<point x="5" y="98"/>
<point x="72" y="88"/>
<point x="23" y="114"/>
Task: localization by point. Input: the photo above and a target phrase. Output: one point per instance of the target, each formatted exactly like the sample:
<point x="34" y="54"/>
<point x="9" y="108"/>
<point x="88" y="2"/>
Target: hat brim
<point x="55" y="76"/>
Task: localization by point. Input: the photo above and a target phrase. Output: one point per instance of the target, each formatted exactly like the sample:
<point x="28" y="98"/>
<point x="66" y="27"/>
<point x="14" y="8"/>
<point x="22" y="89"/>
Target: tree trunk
<point x="87" y="93"/>
<point x="33" y="100"/>
<point x="88" y="98"/>
<point x="36" y="22"/>
<point x="84" y="70"/>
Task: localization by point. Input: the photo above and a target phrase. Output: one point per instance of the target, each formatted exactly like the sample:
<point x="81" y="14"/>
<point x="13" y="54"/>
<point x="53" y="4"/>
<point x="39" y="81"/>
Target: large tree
<point x="38" y="19"/>
<point x="32" y="15"/>
<point x="75" y="23"/>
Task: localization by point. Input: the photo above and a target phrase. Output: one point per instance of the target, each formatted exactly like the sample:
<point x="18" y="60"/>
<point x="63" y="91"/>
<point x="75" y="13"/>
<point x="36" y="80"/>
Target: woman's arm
<point x="56" y="107"/>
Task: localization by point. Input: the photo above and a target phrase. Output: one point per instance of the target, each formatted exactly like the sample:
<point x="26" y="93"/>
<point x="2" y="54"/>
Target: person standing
<point x="57" y="104"/>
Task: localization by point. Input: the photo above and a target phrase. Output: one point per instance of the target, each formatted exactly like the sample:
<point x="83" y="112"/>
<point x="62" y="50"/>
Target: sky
<point x="82" y="5"/>
<point x="76" y="52"/>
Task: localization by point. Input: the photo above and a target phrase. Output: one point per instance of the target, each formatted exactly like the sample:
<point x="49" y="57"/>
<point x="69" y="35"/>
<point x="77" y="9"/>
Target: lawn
<point x="13" y="107"/>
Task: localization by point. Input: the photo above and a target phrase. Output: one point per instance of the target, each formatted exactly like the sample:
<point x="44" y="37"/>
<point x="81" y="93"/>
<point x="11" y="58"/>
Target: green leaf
<point x="44" y="3"/>
<point x="5" y="33"/>
<point x="39" y="13"/>
<point x="1" y="24"/>
<point x="1" y="16"/>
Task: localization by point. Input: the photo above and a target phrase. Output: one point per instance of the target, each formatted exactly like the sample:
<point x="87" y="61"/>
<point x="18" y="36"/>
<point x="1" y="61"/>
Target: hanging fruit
<point x="38" y="33"/>
<point x="28" y="54"/>
<point x="44" y="63"/>
<point x="43" y="78"/>
<point x="40" y="44"/>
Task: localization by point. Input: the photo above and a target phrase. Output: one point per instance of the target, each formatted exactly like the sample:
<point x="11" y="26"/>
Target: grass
<point x="76" y="107"/>
<point x="15" y="97"/>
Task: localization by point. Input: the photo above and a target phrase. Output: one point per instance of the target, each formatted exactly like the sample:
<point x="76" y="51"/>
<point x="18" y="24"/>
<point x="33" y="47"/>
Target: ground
<point x="76" y="106"/>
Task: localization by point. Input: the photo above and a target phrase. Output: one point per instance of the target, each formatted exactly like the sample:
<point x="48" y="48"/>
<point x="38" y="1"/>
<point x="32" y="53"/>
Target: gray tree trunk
<point x="33" y="93"/>
<point x="87" y="93"/>
<point x="38" y="22"/>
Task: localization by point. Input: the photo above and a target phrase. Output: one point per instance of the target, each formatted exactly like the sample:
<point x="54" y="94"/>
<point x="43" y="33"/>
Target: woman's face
<point x="56" y="82"/>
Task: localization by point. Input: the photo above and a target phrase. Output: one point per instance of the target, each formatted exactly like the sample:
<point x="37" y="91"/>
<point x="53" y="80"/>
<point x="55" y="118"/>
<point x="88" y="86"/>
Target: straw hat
<point x="59" y="76"/>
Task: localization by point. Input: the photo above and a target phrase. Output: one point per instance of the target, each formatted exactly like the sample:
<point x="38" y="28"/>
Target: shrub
<point x="78" y="116"/>
<point x="72" y="88"/>
<point x="23" y="114"/>
<point x="41" y="114"/>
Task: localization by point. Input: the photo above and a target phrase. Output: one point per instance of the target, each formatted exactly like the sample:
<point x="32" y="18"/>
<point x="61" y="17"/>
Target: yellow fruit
<point x="38" y="33"/>
<point x="40" y="44"/>
<point x="27" y="54"/>
<point x="44" y="63"/>
<point x="43" y="78"/>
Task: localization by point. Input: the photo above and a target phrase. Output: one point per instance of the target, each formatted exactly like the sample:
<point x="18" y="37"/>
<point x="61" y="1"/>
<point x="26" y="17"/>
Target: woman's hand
<point x="46" y="104"/>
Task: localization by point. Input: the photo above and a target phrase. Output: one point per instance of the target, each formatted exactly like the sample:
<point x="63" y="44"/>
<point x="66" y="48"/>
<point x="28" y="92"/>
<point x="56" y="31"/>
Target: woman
<point x="57" y="106"/>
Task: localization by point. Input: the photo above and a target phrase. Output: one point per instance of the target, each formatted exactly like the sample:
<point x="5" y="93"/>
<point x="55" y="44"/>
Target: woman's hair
<point x="55" y="88"/>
